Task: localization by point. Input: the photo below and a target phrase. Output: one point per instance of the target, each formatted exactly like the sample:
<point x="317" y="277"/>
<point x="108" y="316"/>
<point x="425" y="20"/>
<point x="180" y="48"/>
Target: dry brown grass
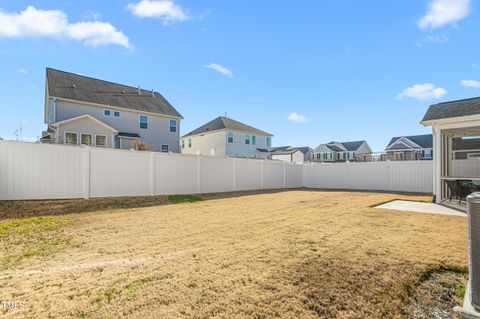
<point x="294" y="254"/>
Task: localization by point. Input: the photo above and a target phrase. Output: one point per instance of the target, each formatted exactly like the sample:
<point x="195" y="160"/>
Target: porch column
<point x="437" y="164"/>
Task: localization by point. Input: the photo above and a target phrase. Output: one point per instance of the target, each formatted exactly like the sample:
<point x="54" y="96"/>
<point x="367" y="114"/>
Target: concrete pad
<point x="419" y="207"/>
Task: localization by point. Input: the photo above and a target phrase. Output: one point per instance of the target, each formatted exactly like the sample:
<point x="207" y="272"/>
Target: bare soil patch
<point x="288" y="254"/>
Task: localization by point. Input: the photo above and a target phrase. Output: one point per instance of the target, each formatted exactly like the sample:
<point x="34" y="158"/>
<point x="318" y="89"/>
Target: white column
<point x="437" y="163"/>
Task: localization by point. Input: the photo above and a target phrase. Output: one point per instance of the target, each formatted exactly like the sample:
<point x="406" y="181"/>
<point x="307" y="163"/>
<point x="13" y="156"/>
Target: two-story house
<point x="80" y="110"/>
<point x="226" y="137"/>
<point x="340" y="151"/>
<point x="414" y="147"/>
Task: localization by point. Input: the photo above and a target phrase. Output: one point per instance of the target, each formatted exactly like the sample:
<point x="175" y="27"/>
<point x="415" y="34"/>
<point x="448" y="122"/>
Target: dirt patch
<point x="437" y="294"/>
<point x="288" y="254"/>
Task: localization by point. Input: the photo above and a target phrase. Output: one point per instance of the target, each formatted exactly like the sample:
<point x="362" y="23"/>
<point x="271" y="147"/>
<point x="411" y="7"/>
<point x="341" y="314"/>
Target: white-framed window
<point x="86" y="139"/>
<point x="247" y="139"/>
<point x="107" y="112"/>
<point x="254" y="140"/>
<point x="268" y="141"/>
<point x="71" y="138"/>
<point x="189" y="142"/>
<point x="116" y="113"/>
<point x="230" y="137"/>
<point x="143" y="119"/>
<point x="173" y="126"/>
<point x="164" y="148"/>
<point x="100" y="140"/>
<point x="183" y="143"/>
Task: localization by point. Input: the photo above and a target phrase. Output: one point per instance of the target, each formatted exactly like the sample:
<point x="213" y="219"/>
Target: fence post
<point x="199" y="174"/>
<point x="152" y="174"/>
<point x="261" y="174"/>
<point x="389" y="176"/>
<point x="234" y="174"/>
<point x="284" y="174"/>
<point x="86" y="172"/>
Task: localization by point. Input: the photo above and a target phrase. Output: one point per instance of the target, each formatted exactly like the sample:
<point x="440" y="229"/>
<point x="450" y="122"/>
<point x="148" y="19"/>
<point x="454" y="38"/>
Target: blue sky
<point x="306" y="71"/>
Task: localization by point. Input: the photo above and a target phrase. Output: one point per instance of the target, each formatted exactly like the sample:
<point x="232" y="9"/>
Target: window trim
<point x="140" y="121"/>
<point x="105" y="146"/>
<point x="189" y="143"/>
<point x="119" y="114"/>
<point x="182" y="144"/>
<point x="254" y="140"/>
<point x="105" y="110"/>
<point x="175" y="126"/>
<point x="161" y="148"/>
<point x="247" y="139"/>
<point x="65" y="137"/>
<point x="268" y="141"/>
<point x="91" y="135"/>
<point x="228" y="137"/>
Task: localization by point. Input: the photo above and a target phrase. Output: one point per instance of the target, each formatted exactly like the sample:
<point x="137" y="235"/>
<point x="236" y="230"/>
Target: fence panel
<point x="176" y="174"/>
<point x="217" y="174"/>
<point x="466" y="168"/>
<point x="294" y="175"/>
<point x="248" y="174"/>
<point x="119" y="173"/>
<point x="273" y="175"/>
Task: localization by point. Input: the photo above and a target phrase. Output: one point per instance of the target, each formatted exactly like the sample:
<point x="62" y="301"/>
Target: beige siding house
<point x="82" y="110"/>
<point x="226" y="137"/>
<point x="340" y="151"/>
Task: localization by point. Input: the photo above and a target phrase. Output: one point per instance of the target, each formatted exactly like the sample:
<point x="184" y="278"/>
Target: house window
<point x="189" y="142"/>
<point x="230" y="137"/>
<point x="116" y="114"/>
<point x="183" y="143"/>
<point x="254" y="140"/>
<point x="319" y="156"/>
<point x="143" y="122"/>
<point x="164" y="148"/>
<point x="86" y="139"/>
<point x="71" y="138"/>
<point x="268" y="141"/>
<point x="173" y="126"/>
<point x="107" y="112"/>
<point x="247" y="139"/>
<point x="100" y="141"/>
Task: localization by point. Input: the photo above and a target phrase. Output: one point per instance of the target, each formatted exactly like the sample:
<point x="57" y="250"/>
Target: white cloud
<point x="166" y="10"/>
<point x="220" y="69"/>
<point x="444" y="12"/>
<point x="33" y="22"/>
<point x="426" y="91"/>
<point x="22" y="71"/>
<point x="470" y="84"/>
<point x="297" y="118"/>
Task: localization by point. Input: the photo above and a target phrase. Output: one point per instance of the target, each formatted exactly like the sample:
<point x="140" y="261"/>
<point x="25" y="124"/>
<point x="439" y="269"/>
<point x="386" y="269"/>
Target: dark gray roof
<point x="472" y="143"/>
<point x="127" y="134"/>
<point x="303" y="149"/>
<point x="280" y="148"/>
<point x="76" y="87"/>
<point x="453" y="109"/>
<point x="262" y="150"/>
<point x="424" y="141"/>
<point x="221" y="123"/>
<point x="352" y="146"/>
<point x="335" y="148"/>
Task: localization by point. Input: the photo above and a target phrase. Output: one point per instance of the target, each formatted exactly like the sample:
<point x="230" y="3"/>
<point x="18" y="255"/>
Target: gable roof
<point x="84" y="116"/>
<point x="451" y="109"/>
<point x="353" y="146"/>
<point x="76" y="87"/>
<point x="303" y="149"/>
<point x="221" y="123"/>
<point x="424" y="141"/>
<point x="336" y="147"/>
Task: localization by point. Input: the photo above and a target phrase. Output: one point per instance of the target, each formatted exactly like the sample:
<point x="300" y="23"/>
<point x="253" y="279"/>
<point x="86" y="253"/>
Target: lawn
<point x="290" y="254"/>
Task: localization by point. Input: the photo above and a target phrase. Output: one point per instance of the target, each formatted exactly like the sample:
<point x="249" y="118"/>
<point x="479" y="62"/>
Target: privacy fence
<point x="41" y="171"/>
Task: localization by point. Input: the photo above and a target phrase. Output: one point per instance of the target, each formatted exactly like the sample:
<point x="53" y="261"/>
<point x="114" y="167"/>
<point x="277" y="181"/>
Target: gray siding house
<point x="227" y="137"/>
<point x="80" y="110"/>
<point x="340" y="151"/>
<point x="414" y="147"/>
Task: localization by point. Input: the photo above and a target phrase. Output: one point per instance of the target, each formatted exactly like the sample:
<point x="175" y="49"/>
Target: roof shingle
<point x="76" y="87"/>
<point x="451" y="109"/>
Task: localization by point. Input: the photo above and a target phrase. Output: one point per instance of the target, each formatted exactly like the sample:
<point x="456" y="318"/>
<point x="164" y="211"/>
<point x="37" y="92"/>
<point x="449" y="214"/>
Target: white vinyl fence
<point x="42" y="171"/>
<point x="466" y="168"/>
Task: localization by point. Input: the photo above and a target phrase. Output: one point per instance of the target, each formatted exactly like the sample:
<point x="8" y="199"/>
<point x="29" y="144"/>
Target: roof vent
<point x="139" y="91"/>
<point x="153" y="93"/>
<point x="73" y="86"/>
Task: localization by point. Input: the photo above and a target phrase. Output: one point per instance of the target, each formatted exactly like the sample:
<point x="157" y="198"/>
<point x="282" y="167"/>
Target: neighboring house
<point x="340" y="151"/>
<point x="415" y="147"/>
<point x="226" y="137"/>
<point x="307" y="153"/>
<point x="292" y="154"/>
<point x="466" y="148"/>
<point x="82" y="110"/>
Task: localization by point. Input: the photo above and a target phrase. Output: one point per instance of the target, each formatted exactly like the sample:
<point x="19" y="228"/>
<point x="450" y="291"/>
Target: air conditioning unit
<point x="473" y="201"/>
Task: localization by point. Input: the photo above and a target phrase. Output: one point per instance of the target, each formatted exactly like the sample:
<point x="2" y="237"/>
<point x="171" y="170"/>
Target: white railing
<point x="42" y="171"/>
